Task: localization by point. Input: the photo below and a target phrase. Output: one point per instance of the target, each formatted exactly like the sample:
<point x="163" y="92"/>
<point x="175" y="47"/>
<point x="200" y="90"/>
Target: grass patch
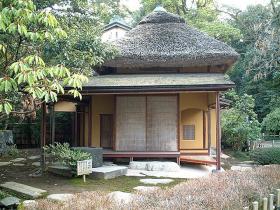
<point x="123" y="183"/>
<point x="238" y="155"/>
<point x="3" y="194"/>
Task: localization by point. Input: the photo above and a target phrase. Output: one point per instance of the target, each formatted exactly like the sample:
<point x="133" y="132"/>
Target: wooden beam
<point x="218" y="132"/>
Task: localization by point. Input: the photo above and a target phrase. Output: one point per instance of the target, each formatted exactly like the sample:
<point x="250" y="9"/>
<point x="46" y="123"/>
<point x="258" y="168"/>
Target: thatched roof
<point x="158" y="82"/>
<point x="163" y="39"/>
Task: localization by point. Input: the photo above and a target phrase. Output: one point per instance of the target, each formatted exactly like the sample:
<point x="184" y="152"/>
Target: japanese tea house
<point x="159" y="97"/>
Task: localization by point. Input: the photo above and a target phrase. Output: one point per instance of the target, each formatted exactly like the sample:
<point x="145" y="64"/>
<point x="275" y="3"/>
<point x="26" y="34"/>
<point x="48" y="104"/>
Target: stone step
<point x="109" y="172"/>
<point x="23" y="190"/>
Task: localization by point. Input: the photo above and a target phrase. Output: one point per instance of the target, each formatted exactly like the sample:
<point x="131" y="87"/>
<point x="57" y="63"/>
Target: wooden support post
<point x="52" y="121"/>
<point x="278" y="199"/>
<point x="218" y="132"/>
<point x="256" y="205"/>
<point x="265" y="202"/>
<point x="209" y="130"/>
<point x="43" y="135"/>
<point x="271" y="196"/>
<point x="76" y="127"/>
<point x="89" y="124"/>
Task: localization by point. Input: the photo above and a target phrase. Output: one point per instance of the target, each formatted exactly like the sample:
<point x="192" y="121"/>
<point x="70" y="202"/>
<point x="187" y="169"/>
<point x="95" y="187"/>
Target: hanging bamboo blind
<point x="162" y="123"/>
<point x="146" y="123"/>
<point x="131" y="123"/>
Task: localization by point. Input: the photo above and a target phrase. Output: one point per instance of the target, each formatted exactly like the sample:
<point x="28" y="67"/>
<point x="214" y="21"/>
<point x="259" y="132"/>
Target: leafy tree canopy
<point x="25" y="79"/>
<point x="271" y="123"/>
<point x="239" y="122"/>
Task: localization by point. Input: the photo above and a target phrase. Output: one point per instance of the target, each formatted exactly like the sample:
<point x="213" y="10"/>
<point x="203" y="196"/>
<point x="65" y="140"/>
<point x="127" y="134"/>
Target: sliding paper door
<point x="131" y="123"/>
<point x="162" y="122"/>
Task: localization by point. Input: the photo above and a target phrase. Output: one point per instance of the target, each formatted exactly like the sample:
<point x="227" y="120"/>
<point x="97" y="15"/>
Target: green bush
<point x="271" y="123"/>
<point x="266" y="156"/>
<point x="65" y="155"/>
<point x="12" y="150"/>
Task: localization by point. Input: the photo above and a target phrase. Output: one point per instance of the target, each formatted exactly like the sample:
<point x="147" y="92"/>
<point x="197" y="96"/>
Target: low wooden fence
<point x="270" y="203"/>
<point x="266" y="141"/>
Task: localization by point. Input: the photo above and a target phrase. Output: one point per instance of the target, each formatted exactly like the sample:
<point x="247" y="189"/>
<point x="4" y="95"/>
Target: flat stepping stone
<point x="146" y="188"/>
<point x="240" y="168"/>
<point x="60" y="197"/>
<point x="10" y="201"/>
<point x="166" y="166"/>
<point x="5" y="163"/>
<point x="18" y="164"/>
<point x="109" y="172"/>
<point x="120" y="197"/>
<point x="34" y="157"/>
<point x="36" y="164"/>
<point x="156" y="181"/>
<point x="23" y="189"/>
<point x="18" y="160"/>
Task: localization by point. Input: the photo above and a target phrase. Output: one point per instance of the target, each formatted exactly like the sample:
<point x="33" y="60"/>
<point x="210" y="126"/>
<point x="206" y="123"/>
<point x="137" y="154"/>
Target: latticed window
<point x="189" y="132"/>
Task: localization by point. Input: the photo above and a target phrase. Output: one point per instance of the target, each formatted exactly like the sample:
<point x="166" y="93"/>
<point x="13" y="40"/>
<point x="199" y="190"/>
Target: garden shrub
<point x="266" y="156"/>
<point x="65" y="155"/>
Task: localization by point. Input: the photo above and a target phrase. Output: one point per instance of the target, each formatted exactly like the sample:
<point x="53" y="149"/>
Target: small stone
<point x="5" y="163"/>
<point x="224" y="156"/>
<point x="34" y="157"/>
<point x="107" y="163"/>
<point x="10" y="201"/>
<point x="120" y="197"/>
<point x="29" y="203"/>
<point x="60" y="197"/>
<point x="36" y="164"/>
<point x="18" y="160"/>
<point x="146" y="188"/>
<point x="156" y="181"/>
<point x="18" y="164"/>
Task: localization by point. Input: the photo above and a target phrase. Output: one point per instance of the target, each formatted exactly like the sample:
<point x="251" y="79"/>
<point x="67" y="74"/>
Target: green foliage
<point x="239" y="123"/>
<point x="266" y="156"/>
<point x="64" y="154"/>
<point x="271" y="123"/>
<point x="257" y="71"/>
<point x="12" y="150"/>
<point x="23" y="72"/>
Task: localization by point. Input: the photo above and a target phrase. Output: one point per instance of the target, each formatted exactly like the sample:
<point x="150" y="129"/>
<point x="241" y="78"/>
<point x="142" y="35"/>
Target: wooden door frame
<point x="101" y="115"/>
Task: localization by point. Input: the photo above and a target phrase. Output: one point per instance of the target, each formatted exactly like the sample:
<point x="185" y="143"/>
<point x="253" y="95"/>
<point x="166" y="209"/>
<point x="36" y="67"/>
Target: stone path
<point x="108" y="172"/>
<point x="18" y="164"/>
<point x="23" y="189"/>
<point x="185" y="172"/>
<point x="18" y="160"/>
<point x="34" y="157"/>
<point x="155" y="166"/>
<point x="156" y="181"/>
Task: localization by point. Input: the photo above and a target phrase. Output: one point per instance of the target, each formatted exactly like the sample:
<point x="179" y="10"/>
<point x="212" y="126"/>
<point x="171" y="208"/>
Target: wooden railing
<point x="270" y="203"/>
